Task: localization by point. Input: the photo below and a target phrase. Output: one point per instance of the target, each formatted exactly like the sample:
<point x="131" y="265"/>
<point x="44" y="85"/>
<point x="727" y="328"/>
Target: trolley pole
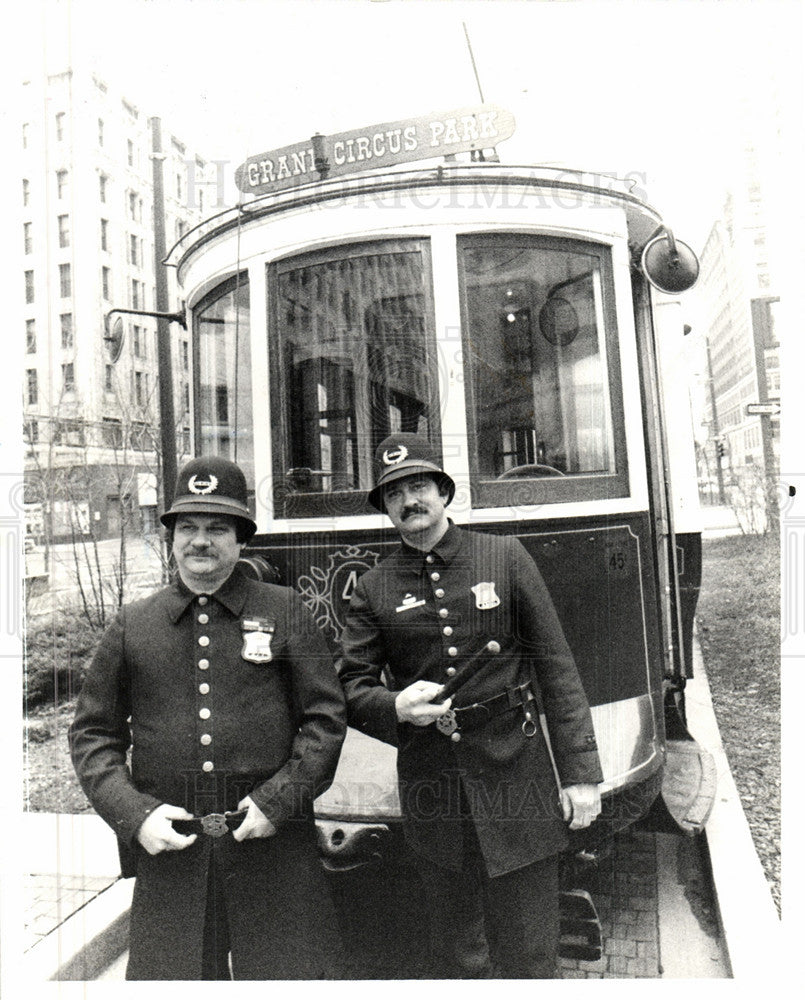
<point x="167" y="420"/>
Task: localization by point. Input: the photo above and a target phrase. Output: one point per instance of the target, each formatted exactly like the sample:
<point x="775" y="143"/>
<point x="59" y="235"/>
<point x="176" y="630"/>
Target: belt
<point x="214" y="825"/>
<point x="473" y="716"/>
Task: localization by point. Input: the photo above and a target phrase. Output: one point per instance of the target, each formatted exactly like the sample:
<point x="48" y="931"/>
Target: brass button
<point x="209" y="766"/>
<point x="455" y="737"/>
<point x="452" y="651"/>
<point x="203" y="640"/>
<point x="204" y="688"/>
<point x="443" y="612"/>
<point x="438" y="592"/>
<point x="451" y="671"/>
<point x="203" y="600"/>
<point x="203" y="664"/>
<point x="204" y="713"/>
<point x="206" y="739"/>
<point x="203" y="619"/>
<point x="448" y="630"/>
<point x="435" y="576"/>
<point x="429" y="559"/>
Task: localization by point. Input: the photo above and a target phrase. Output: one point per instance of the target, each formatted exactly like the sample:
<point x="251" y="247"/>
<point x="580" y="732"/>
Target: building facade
<point x="91" y="424"/>
<point x="739" y="456"/>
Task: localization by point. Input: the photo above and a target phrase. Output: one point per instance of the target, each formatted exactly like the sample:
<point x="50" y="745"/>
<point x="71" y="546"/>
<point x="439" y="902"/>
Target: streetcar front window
<point x="544" y="423"/>
<point x="353" y="344"/>
<point x="223" y="392"/>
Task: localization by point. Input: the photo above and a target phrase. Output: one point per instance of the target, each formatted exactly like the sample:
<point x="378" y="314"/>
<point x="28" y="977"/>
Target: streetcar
<point x="526" y="320"/>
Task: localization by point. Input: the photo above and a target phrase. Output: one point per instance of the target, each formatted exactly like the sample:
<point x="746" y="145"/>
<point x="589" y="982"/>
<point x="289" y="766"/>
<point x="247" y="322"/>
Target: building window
<point x="104" y="234"/>
<point x="26" y="191"/>
<point x="68" y="377"/>
<point x="186" y="396"/>
<point x="185" y="347"/>
<point x="181" y="228"/>
<point x="30" y="336"/>
<point x="27" y="237"/>
<point x="140" y="388"/>
<point x="32" y="386"/>
<point x="139" y="342"/>
<point x="32" y="431"/>
<point x="178" y="187"/>
<point x="65" y="281"/>
<point x="130" y="152"/>
<point x="107" y="380"/>
<point x="111" y="432"/>
<point x="64" y="230"/>
<point x="100" y="131"/>
<point x="26" y="131"/>
<point x="106" y="278"/>
<point x="137" y="294"/>
<point x="61" y="183"/>
<point x="133" y="259"/>
<point x="134" y="206"/>
<point x="69" y="432"/>
<point x="60" y="126"/>
<point x="29" y="287"/>
<point x="103" y="180"/>
<point x="66" y="330"/>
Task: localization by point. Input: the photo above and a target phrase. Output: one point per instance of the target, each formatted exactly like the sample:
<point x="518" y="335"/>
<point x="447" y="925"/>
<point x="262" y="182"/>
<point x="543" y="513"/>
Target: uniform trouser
<point x="506" y="927"/>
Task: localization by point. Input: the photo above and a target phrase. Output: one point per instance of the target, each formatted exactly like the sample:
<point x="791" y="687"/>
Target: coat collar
<point x="445" y="549"/>
<point x="231" y="594"/>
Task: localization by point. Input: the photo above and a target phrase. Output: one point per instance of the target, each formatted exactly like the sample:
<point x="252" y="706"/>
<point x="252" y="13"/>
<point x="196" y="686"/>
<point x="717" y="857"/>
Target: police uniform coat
<point x="218" y="697"/>
<point x="419" y="616"/>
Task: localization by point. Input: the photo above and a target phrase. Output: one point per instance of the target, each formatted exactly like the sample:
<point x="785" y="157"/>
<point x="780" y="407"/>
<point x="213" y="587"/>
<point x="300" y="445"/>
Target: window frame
<point x="345" y="502"/>
<point x="571" y="487"/>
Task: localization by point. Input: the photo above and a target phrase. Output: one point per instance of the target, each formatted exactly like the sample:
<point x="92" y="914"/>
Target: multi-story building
<point x="91" y="420"/>
<point x="737" y="295"/>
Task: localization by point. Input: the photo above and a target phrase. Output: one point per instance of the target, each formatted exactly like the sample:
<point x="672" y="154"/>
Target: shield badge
<point x="485" y="596"/>
<point x="214" y="825"/>
<point x="256" y="647"/>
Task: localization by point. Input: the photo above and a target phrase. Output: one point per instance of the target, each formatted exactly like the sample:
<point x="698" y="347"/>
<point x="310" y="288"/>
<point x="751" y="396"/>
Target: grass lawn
<point x="739" y="630"/>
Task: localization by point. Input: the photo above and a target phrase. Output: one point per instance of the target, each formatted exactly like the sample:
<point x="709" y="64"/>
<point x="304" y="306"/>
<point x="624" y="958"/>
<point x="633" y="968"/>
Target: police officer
<point x="481" y="807"/>
<point x="226" y="693"/>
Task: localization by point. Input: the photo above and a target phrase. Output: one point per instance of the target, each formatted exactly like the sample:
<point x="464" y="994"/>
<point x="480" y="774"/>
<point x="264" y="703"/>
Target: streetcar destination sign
<point x="762" y="409"/>
<point x="385" y="145"/>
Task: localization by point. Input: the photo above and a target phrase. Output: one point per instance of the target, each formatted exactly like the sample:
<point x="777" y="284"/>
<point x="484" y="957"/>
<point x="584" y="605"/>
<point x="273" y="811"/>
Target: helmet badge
<point x="202" y="486"/>
<point x="395" y="455"/>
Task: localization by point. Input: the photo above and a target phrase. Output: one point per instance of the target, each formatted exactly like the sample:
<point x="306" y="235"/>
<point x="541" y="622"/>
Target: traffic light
<point x="720" y="449"/>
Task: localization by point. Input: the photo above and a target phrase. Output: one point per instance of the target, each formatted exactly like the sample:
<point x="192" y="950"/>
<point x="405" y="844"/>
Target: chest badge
<point x="485" y="596"/>
<point x="408" y="602"/>
<point x="257" y="636"/>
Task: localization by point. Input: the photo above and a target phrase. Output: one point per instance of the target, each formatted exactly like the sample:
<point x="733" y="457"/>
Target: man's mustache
<point x="414" y="509"/>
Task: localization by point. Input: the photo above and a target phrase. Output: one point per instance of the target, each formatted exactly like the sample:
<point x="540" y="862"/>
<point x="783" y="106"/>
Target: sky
<point x="653" y="88"/>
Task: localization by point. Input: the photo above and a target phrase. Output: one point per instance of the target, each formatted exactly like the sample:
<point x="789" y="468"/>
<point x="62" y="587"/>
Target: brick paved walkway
<point x="50" y="899"/>
<point x="624" y="890"/>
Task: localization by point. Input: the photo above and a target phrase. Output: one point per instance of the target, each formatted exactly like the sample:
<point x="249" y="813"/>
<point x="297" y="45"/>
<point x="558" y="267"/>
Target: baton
<point x="470" y="668"/>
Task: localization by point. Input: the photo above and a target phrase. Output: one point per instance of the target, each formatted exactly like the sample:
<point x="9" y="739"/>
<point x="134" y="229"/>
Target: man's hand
<point x="581" y="804"/>
<point x="413" y="703"/>
<point x="256" y="824"/>
<point x="157" y="834"/>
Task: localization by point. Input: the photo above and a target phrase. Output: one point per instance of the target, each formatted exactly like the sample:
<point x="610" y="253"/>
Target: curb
<point x="751" y="927"/>
<point x="88" y="942"/>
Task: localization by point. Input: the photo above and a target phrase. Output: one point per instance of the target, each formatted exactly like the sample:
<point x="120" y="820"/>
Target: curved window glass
<point x="353" y="361"/>
<point x="540" y="355"/>
<point x="223" y="392"/>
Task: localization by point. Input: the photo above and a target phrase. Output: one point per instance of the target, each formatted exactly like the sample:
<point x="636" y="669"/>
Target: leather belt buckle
<point x="447" y="723"/>
<point x="214" y="825"/>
